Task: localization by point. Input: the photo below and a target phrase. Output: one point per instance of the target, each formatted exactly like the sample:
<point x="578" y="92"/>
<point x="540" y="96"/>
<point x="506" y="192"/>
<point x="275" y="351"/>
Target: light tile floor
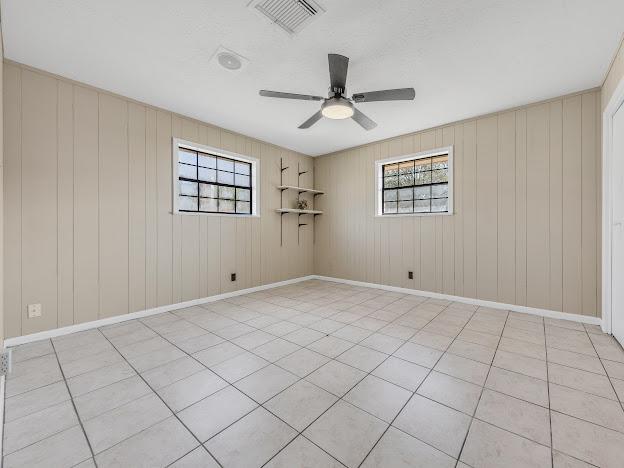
<point x="320" y="374"/>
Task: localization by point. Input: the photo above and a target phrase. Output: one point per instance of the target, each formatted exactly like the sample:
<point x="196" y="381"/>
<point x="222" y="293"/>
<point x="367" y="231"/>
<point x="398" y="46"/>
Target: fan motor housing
<point x="337" y="108"/>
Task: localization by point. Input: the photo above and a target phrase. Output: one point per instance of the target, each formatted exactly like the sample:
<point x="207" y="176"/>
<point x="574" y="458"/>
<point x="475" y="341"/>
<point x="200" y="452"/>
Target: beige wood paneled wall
<point x="526" y="227"/>
<point x="88" y="228"/>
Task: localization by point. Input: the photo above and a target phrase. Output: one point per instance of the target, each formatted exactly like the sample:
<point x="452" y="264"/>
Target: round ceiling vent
<point x="229" y="61"/>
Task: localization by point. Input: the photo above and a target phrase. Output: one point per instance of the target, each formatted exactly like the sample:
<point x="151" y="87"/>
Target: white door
<point x="617" y="233"/>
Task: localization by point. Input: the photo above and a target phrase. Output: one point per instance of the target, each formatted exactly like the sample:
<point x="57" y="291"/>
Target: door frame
<point x="617" y="100"/>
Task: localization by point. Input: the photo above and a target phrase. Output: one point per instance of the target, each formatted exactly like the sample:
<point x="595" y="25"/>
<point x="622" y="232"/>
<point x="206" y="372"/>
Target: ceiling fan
<point x="337" y="105"/>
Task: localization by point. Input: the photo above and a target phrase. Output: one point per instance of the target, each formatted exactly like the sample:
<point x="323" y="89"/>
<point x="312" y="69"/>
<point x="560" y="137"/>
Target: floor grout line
<point x="307" y="326"/>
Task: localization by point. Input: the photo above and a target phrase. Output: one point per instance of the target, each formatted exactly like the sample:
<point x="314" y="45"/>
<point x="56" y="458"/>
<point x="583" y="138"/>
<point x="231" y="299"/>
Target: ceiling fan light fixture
<point x="337" y="108"/>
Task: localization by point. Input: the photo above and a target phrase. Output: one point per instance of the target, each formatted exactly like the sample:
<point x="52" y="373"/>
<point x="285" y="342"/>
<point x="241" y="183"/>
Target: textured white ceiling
<point x="464" y="58"/>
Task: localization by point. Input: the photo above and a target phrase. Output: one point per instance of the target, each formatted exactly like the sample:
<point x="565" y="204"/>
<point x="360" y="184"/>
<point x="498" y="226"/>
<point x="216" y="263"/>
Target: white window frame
<point x="255" y="177"/>
<point x="423" y="154"/>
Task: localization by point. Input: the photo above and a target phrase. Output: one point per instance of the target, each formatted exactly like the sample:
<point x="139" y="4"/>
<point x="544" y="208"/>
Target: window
<point x="420" y="184"/>
<point x="212" y="181"/>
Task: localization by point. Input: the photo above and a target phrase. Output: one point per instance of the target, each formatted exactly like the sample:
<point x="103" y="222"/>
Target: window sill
<point x="403" y="215"/>
<point x="215" y="215"/>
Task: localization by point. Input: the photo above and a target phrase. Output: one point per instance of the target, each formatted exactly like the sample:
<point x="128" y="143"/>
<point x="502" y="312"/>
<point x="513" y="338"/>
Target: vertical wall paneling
<point x="165" y="207"/>
<point x="556" y="205"/>
<point x="525" y="227"/>
<point x="507" y="208"/>
<point x="589" y="215"/>
<point x="12" y="210"/>
<point x="86" y="206"/>
<point x="65" y="200"/>
<point x="88" y="225"/>
<point x="137" y="207"/>
<point x="114" y="206"/>
<point x="521" y="207"/>
<point x="487" y="208"/>
<point x="572" y="199"/>
<point x="537" y="207"/>
<point x="151" y="210"/>
<point x="39" y="209"/>
<point x="469" y="201"/>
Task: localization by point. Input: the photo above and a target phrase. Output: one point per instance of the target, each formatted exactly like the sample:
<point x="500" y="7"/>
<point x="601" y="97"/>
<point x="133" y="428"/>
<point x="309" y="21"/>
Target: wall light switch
<point x="34" y="310"/>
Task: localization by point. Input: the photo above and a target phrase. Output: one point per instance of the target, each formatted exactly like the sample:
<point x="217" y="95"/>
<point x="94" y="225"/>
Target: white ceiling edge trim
<point x="276" y="145"/>
<point x="467" y="119"/>
<point x="142" y="103"/>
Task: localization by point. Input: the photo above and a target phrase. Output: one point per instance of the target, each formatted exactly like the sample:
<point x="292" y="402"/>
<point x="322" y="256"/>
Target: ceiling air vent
<point x="290" y="15"/>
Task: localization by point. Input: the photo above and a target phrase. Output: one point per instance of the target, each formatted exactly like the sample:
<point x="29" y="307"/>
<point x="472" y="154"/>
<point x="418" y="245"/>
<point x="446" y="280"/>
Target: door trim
<point x="617" y="100"/>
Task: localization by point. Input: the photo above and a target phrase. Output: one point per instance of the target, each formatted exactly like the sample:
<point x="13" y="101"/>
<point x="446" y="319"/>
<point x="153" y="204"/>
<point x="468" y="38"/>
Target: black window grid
<point x="218" y="184"/>
<point x="412" y="186"/>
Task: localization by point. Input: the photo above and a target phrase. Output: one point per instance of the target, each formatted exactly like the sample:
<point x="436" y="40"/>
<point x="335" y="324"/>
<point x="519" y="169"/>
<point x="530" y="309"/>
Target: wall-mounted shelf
<point x="294" y="210"/>
<point x="282" y="211"/>
<point x="300" y="189"/>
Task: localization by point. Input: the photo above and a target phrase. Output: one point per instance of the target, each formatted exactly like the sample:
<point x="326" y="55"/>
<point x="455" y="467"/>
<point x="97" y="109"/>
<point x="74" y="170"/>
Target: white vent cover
<point x="290" y="15"/>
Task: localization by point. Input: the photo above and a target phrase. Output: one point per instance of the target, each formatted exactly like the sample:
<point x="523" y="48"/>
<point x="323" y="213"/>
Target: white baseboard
<point x="44" y="335"/>
<point x="466" y="300"/>
<point x="18" y="340"/>
<point x="2" y="390"/>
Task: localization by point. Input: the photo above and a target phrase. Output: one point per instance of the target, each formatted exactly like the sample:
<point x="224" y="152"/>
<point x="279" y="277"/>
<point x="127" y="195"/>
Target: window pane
<point x="391" y="182"/>
<point x="243" y="194"/>
<point x="390" y="195"/>
<point x="406" y="180"/>
<point x="390" y="207"/>
<point x="186" y="171"/>
<point x="225" y="177"/>
<point x="440" y="162"/>
<point x="206" y="190"/>
<point x="225" y="164"/>
<point x="421" y="206"/>
<point x="226" y="206"/>
<point x="187" y="203"/>
<point x="207" y="204"/>
<point x="208" y="175"/>
<point x="406" y="167"/>
<point x="422" y="192"/>
<point x="406" y="207"/>
<point x="406" y="193"/>
<point x="391" y="169"/>
<point x="439" y="191"/>
<point x="242" y="180"/>
<point x="422" y="165"/>
<point x="242" y="168"/>
<point x="226" y="192"/>
<point x="186" y="156"/>
<point x="440" y="175"/>
<point x="207" y="161"/>
<point x="187" y="188"/>
<point x="422" y="178"/>
<point x="440" y="204"/>
<point x="243" y="207"/>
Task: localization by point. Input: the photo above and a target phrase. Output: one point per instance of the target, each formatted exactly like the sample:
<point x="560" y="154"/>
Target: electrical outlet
<point x="410" y="275"/>
<point x="34" y="310"/>
<point x="5" y="362"/>
<point x="233" y="277"/>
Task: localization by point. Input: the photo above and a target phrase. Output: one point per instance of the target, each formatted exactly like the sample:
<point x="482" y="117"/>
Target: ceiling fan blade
<point x="365" y="122"/>
<point x="312" y="120"/>
<point x="402" y="94"/>
<point x="338" y="66"/>
<point x="277" y="94"/>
